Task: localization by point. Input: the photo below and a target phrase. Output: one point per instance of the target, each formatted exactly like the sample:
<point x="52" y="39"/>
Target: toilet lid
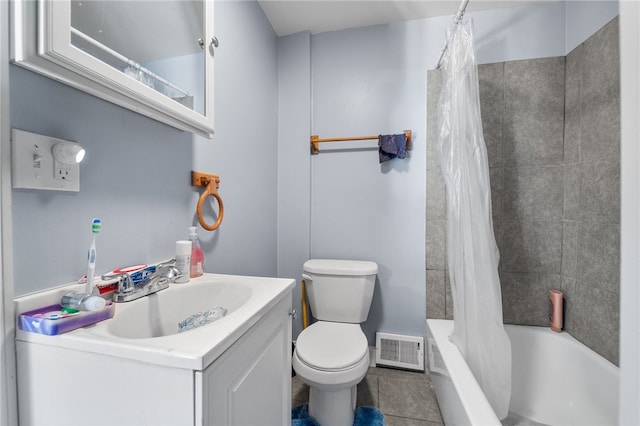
<point x="332" y="345"/>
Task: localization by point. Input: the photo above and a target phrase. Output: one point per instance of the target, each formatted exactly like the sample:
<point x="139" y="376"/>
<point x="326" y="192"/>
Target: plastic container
<point x="82" y="301"/>
<point x="197" y="256"/>
<point x="51" y="320"/>
<point x="183" y="260"/>
<point x="556" y="310"/>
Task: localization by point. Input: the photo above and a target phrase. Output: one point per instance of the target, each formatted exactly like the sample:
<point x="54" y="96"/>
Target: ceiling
<point x="317" y="16"/>
<point x="151" y="39"/>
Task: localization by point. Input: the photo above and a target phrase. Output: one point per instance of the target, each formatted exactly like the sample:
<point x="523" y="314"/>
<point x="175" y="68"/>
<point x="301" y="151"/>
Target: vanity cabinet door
<point x="250" y="384"/>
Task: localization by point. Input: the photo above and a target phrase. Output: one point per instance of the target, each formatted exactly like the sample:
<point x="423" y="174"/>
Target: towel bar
<point x="315" y="140"/>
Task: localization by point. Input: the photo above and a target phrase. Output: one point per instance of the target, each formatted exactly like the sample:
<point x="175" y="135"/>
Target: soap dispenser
<point x="197" y="256"/>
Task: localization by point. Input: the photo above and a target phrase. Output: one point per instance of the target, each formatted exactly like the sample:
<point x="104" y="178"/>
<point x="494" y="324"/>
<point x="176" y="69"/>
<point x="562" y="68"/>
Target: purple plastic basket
<point x="37" y="321"/>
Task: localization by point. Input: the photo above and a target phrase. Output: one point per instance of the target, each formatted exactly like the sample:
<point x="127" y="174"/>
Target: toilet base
<point x="333" y="408"/>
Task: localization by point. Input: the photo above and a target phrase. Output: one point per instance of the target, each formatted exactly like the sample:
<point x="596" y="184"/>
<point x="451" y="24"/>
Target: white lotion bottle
<point x="183" y="260"/>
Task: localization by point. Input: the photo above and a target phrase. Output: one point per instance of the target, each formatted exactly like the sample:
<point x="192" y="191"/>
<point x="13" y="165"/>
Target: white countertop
<point x="194" y="349"/>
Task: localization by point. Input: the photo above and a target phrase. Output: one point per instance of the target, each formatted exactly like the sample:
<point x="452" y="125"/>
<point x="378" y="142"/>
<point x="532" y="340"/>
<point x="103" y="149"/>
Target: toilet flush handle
<point x="306" y="277"/>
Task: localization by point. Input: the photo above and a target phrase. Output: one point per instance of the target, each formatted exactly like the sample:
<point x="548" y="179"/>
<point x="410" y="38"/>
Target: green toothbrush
<point x="95" y="229"/>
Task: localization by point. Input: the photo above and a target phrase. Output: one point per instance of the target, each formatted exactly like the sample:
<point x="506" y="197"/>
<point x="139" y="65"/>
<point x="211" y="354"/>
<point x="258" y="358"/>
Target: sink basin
<point x="146" y="329"/>
<point x="158" y="315"/>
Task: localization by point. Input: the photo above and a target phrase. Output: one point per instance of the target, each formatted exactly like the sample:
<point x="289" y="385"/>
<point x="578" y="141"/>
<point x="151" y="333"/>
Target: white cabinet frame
<point x="42" y="43"/>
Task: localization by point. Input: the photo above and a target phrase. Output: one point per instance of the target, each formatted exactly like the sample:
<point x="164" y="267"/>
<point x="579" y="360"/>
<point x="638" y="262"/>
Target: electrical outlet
<point x="62" y="171"/>
<point x="34" y="167"/>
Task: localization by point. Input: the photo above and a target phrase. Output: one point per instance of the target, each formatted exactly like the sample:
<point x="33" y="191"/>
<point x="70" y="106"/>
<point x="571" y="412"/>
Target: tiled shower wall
<point x="551" y="127"/>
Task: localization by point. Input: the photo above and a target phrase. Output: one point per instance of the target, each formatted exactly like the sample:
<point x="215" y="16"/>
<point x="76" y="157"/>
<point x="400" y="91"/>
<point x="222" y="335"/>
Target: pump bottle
<point x="197" y="256"/>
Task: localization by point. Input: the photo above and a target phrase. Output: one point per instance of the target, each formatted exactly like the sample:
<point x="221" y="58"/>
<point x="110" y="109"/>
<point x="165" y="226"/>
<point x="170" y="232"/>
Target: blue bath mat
<point x="364" y="416"/>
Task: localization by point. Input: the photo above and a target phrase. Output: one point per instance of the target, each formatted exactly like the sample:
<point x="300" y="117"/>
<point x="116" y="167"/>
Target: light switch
<point x="33" y="165"/>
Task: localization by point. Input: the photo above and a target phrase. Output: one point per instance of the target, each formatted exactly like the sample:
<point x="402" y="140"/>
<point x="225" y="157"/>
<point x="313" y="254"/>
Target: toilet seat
<point x="332" y="346"/>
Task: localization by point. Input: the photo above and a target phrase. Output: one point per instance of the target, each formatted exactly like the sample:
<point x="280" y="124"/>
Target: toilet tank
<point x="340" y="290"/>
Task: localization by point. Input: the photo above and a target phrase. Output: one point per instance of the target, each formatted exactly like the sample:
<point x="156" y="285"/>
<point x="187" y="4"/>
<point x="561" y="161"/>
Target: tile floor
<point x="405" y="398"/>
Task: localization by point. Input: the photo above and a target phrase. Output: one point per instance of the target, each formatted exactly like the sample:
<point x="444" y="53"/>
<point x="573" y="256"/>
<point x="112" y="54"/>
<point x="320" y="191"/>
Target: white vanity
<point x="136" y="369"/>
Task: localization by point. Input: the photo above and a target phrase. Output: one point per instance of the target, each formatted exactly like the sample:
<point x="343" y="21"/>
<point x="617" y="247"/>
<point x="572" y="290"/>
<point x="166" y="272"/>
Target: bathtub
<point x="556" y="380"/>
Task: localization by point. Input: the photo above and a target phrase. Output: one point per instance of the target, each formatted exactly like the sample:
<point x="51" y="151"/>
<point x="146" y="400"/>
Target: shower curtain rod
<point x="456" y="20"/>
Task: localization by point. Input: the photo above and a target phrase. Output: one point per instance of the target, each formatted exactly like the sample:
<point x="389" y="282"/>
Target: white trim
<point x="629" y="411"/>
<point x="54" y="56"/>
<point x="8" y="389"/>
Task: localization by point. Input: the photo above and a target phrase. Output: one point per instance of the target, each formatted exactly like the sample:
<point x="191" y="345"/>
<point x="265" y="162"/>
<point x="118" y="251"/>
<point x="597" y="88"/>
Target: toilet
<point x="332" y="354"/>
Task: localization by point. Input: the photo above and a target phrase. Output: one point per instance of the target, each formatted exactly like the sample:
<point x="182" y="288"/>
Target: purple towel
<point x="392" y="146"/>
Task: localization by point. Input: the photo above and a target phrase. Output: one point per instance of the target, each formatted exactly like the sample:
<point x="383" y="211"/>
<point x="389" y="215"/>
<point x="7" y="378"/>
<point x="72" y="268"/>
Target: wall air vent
<point x="395" y="350"/>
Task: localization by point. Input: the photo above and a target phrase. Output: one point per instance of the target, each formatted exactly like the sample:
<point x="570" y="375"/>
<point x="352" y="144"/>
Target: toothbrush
<point x="91" y="267"/>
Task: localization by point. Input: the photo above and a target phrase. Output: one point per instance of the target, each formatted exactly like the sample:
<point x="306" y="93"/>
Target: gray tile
<point x="532" y="246"/>
<point x="601" y="59"/>
<point x="600" y="127"/>
<point x="408" y="397"/>
<point x="573" y="77"/>
<point x="403" y="421"/>
<point x="573" y="101"/>
<point x="600" y="190"/>
<point x="435" y="294"/>
<point x="570" y="248"/>
<point x="572" y="120"/>
<point x="491" y="87"/>
<point x="525" y="297"/>
<point x="367" y="393"/>
<point x="299" y="391"/>
<point x="497" y="233"/>
<point x="571" y="209"/>
<point x="534" y="112"/>
<point x="434" y="85"/>
<point x="416" y="386"/>
<point x="570" y="304"/>
<point x="600" y="124"/>
<point x="436" y="196"/>
<point x="433" y="155"/>
<point x="435" y="244"/>
<point x="533" y="193"/>
<point x="448" y="296"/>
<point x="597" y="321"/>
<point x="495" y="178"/>
<point x="599" y="256"/>
<point x="395" y="372"/>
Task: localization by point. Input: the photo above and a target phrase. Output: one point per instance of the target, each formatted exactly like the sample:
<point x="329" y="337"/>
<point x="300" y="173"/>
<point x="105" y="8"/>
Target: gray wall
<point x="591" y="221"/>
<point x="555" y="189"/>
<point x="294" y="161"/>
<point x="265" y="111"/>
<point x="342" y="203"/>
<point x="136" y="176"/>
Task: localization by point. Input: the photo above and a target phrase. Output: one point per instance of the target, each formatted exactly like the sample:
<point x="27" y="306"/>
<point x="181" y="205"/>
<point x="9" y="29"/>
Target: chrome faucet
<point x="128" y="290"/>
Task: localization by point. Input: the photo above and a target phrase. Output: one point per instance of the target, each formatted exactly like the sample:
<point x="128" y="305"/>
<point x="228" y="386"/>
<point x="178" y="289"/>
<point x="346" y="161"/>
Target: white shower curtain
<point x="472" y="253"/>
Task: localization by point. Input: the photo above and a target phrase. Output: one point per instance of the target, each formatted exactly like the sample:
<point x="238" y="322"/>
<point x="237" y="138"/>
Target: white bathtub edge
<point x="459" y="374"/>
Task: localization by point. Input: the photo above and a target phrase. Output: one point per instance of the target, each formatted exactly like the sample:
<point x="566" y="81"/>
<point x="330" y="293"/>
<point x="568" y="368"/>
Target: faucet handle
<point x="125" y="283"/>
<point x="168" y="270"/>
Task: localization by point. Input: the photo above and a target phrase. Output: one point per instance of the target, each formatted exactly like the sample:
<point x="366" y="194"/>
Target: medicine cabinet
<point x="154" y="57"/>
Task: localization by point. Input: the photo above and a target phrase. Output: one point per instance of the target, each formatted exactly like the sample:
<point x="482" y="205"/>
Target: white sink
<point x="158" y="315"/>
<point x="146" y="329"/>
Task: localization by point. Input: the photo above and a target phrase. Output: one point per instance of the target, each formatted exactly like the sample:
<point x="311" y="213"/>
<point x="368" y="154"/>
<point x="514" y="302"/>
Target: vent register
<point x="400" y="351"/>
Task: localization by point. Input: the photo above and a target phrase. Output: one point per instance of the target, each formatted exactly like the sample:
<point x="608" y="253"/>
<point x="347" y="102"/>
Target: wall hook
<point x="211" y="183"/>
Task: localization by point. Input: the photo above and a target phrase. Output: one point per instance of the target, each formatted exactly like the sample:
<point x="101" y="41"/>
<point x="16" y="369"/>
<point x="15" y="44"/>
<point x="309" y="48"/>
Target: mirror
<point x="160" y="54"/>
<point x="150" y="56"/>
